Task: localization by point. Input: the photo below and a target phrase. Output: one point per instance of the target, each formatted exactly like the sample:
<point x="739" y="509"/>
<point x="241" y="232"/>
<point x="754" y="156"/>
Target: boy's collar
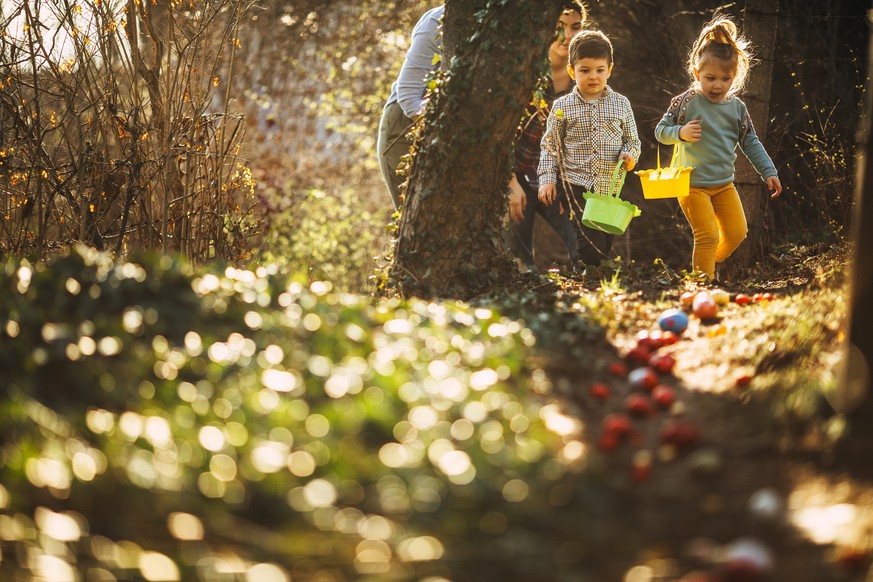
<point x="606" y="92"/>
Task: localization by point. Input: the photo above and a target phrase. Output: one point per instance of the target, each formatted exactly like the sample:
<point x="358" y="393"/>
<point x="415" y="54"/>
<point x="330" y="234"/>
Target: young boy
<point x="588" y="131"/>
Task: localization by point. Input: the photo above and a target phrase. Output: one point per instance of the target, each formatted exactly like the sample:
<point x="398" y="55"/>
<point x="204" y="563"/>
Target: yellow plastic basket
<point x="607" y="212"/>
<point x="669" y="182"/>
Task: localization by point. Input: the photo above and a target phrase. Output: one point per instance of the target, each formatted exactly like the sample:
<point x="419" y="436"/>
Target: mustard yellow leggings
<point x="718" y="223"/>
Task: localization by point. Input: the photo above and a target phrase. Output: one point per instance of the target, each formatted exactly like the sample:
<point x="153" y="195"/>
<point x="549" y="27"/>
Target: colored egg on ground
<point x="674" y="320"/>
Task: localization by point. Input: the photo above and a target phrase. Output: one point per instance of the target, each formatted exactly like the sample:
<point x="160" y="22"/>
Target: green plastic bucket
<point x="607" y="212"/>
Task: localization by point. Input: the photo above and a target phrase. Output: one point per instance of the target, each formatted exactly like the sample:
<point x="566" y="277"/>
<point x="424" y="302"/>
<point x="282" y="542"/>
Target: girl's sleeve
<point x="667" y="130"/>
<point x="752" y="146"/>
<point x="630" y="138"/>
<point x="550" y="146"/>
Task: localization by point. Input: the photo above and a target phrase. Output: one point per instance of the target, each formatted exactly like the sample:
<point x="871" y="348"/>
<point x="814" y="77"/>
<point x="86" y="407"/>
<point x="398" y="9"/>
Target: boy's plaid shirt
<point x="532" y="127"/>
<point x="584" y="139"/>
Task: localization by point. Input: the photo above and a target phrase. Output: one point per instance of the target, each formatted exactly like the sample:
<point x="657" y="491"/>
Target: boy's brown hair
<point x="590" y="44"/>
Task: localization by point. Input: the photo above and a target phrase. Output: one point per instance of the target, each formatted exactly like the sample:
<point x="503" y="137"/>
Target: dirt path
<point x="728" y="482"/>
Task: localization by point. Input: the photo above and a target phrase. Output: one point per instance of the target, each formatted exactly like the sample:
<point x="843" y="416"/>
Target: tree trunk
<point x="854" y="395"/>
<point x="450" y="230"/>
<point x="759" y="26"/>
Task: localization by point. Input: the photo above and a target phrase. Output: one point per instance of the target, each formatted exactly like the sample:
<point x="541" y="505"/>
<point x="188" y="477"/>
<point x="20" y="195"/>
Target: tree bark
<point x="854" y="396"/>
<point x="759" y="26"/>
<point x="449" y="242"/>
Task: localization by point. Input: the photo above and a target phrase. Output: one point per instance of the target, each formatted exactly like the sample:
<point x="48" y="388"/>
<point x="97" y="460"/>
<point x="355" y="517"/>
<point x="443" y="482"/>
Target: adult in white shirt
<point x="406" y="101"/>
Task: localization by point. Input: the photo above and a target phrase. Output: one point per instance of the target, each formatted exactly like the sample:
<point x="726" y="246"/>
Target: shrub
<point x="260" y="421"/>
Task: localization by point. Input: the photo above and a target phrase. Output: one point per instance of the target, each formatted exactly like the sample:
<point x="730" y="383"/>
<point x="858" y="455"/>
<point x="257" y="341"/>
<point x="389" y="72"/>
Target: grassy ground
<point x="251" y="422"/>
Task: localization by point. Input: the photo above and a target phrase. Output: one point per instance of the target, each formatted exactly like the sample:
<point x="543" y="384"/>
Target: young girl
<point x="709" y="121"/>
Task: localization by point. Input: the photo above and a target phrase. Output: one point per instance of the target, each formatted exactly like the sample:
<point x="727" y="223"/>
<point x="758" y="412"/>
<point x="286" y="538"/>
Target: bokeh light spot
<point x="516" y="490"/>
<point x="372" y="557"/>
<point x="301" y="464"/>
<point x="398" y="326"/>
<point x="157" y="431"/>
<point x="266" y="573"/>
<point x="376" y="527"/>
<point x="319" y="493"/>
<point x="311" y="322"/>
<point x="560" y="423"/>
<point x="273" y="354"/>
<point x="157" y="567"/>
<point x="53" y="568"/>
<point x="270" y="456"/>
<point x="317" y="425"/>
<point x="423" y="417"/>
<point x="483" y="379"/>
<point x="420" y="549"/>
<point x="211" y="438"/>
<point x="279" y="380"/>
<point x="84" y="466"/>
<point x="99" y="421"/>
<point x="59" y="526"/>
<point x="223" y="467"/>
<point x="475" y="411"/>
<point x="193" y="343"/>
<point x="184" y="526"/>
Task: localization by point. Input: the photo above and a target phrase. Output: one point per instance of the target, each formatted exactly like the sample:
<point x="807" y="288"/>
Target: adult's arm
<point x="550" y="145"/>
<point x="425" y="43"/>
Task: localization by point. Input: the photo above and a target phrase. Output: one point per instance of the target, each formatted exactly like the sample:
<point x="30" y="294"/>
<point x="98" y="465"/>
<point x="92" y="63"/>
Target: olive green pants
<point x="391" y="146"/>
<point x="718" y="223"/>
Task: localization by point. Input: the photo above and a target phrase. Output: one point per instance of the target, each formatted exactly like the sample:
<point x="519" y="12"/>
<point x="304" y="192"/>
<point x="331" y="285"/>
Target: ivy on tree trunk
<point x="449" y="242"/>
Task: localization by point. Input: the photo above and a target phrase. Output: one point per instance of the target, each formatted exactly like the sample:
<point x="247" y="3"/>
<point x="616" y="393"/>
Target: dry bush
<point x="115" y="129"/>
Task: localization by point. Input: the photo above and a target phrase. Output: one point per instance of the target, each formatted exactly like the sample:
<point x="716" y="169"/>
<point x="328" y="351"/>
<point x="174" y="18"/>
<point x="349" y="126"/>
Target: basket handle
<point x="672" y="158"/>
<point x="616" y="181"/>
<point x="676" y="148"/>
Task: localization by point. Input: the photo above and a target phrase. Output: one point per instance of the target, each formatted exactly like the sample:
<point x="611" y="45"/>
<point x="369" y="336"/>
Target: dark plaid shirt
<point x="532" y="127"/>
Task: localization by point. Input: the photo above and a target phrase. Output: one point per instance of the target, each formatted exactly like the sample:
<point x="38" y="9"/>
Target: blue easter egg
<point x="674" y="320"/>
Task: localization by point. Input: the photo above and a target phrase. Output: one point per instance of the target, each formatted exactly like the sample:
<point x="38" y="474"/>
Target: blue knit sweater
<point x="724" y="126"/>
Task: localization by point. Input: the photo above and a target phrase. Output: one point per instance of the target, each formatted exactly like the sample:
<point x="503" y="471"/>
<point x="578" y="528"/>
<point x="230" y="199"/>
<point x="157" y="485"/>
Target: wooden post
<point x="854" y="395"/>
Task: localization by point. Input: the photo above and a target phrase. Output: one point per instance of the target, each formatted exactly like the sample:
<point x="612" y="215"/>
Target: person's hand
<point x="775" y="185"/>
<point x="690" y="131"/>
<point x="547" y="193"/>
<point x="517" y="200"/>
<point x="629" y="161"/>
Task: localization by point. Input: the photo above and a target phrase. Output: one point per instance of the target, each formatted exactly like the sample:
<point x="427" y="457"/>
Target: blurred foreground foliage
<point x="166" y="422"/>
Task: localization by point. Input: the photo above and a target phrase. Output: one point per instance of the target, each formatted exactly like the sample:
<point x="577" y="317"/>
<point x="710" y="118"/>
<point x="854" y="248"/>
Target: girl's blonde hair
<point x="720" y="40"/>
